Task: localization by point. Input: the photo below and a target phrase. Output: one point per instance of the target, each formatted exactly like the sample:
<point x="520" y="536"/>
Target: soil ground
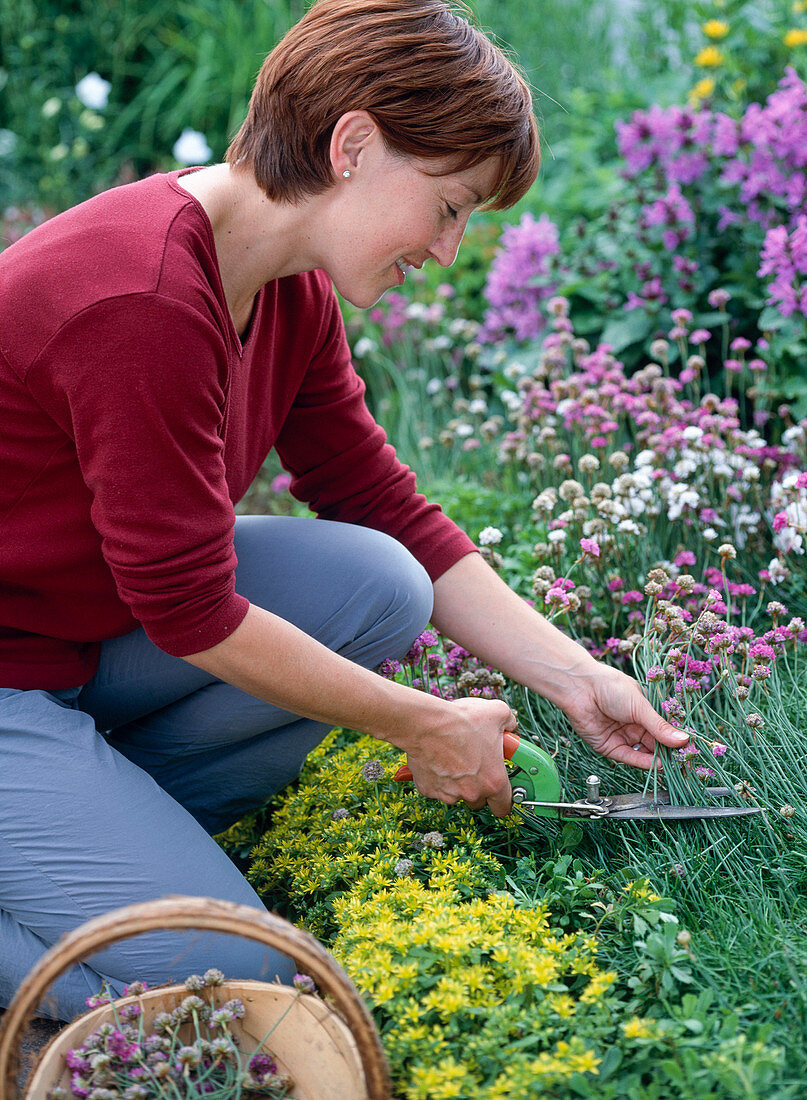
<point x="38" y="1034"/>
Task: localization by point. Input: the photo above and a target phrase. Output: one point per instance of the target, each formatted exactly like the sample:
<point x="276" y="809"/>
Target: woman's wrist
<point x="561" y="672"/>
<point x="410" y="719"/>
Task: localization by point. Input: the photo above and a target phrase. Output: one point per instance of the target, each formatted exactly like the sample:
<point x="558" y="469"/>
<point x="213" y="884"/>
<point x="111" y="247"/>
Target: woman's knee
<point x="357" y="590"/>
<point x="397" y="598"/>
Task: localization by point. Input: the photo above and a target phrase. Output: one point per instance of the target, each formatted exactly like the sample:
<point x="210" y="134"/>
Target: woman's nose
<point x="445" y="247"/>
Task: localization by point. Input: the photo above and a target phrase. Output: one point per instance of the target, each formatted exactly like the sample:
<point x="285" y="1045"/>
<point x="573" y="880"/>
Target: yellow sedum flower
<point x="709" y="58"/>
<point x="441" y="1082"/>
<point x="638" y="1028"/>
<point x="796" y="37"/>
<point x="640" y="890"/>
<point x="599" y="986"/>
<point x="715" y="28"/>
<point x="702" y="90"/>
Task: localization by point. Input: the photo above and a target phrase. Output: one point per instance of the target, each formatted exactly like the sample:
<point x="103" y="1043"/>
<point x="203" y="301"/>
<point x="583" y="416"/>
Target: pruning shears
<point x="537" y="792"/>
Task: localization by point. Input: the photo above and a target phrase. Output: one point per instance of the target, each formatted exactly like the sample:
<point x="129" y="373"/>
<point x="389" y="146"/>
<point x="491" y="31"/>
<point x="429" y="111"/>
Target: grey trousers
<point x="110" y="793"/>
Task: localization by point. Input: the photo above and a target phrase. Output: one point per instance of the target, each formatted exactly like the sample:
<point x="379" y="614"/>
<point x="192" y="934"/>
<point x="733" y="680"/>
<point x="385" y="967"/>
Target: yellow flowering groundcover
<point x="480" y="991"/>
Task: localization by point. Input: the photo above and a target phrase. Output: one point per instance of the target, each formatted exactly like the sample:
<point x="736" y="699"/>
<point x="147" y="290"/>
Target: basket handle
<point x="210" y="914"/>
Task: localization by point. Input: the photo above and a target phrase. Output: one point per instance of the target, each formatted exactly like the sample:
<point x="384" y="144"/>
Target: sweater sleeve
<point x="138" y="382"/>
<point x="343" y="467"/>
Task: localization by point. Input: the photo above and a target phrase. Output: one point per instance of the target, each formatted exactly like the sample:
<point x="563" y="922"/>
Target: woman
<point x="166" y="667"/>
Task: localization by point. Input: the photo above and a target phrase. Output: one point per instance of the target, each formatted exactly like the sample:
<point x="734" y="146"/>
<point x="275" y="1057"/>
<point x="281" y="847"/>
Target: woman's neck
<point x="257" y="240"/>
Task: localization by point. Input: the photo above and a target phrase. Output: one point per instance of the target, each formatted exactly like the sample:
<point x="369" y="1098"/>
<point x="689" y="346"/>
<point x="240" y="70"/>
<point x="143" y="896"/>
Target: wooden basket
<point x="330" y="1049"/>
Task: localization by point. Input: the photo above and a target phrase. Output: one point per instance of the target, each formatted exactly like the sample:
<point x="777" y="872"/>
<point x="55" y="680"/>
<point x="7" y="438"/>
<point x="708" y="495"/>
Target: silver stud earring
<point x="346" y="174"/>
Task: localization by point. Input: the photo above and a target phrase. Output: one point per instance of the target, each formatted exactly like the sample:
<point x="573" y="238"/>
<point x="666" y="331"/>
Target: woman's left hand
<point x="611" y="714"/>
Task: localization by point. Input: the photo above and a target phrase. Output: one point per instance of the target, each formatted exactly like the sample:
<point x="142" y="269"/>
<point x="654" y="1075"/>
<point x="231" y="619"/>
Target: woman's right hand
<point x="461" y="758"/>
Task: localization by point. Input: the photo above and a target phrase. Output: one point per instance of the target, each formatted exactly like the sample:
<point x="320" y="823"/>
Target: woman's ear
<point x="352" y="134"/>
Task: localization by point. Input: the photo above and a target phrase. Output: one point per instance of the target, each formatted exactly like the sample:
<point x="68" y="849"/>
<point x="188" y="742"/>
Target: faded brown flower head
<point x="373" y="771"/>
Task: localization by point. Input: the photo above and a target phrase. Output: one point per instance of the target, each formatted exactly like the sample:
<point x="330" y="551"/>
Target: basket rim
<point x="210" y="914"/>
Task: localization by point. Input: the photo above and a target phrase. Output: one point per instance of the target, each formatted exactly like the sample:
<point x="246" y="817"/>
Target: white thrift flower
<point x="710" y="534"/>
<point x="556" y="537"/>
<point x="692" y="433"/>
<point x="588" y="464"/>
<point x="490" y="536"/>
<point x="417" y="311"/>
<point x="629" y="527"/>
<point x="789" y="541"/>
<point x="478" y="406"/>
<point x="364" y="345"/>
<point x="433" y="386"/>
<point x="777" y="571"/>
<point x="685" y="467"/>
<point x="513" y="371"/>
<point x="93" y="91"/>
<point x="789" y="480"/>
<point x="191" y="148"/>
<point x="681" y="497"/>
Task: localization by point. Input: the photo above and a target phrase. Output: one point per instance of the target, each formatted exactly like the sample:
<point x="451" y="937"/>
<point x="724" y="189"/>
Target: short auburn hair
<point x="435" y="85"/>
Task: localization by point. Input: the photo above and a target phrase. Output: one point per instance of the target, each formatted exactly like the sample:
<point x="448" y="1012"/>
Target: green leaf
<point x="571" y="835"/>
<point x="631" y="328"/>
<point x="610" y="1063"/>
<point x="681" y="975"/>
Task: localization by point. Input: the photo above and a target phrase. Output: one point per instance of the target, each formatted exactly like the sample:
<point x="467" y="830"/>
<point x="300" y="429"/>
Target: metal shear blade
<point x="637" y="807"/>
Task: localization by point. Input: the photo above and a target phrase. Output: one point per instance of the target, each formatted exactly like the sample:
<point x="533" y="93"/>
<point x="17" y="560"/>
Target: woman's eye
<point x="452" y="213"/>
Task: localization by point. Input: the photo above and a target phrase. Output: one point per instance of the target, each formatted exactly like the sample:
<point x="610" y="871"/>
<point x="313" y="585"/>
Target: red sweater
<point x="133" y="420"/>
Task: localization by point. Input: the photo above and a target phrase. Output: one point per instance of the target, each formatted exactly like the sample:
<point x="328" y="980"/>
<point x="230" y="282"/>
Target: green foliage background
<point x="191" y="63"/>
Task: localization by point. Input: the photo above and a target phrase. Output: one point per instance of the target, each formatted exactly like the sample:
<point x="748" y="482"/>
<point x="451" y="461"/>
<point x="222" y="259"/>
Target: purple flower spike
<point x="303" y="984"/>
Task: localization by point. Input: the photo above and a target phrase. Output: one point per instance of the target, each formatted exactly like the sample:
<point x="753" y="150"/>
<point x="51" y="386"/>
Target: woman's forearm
<point x="272" y="659"/>
<point x="454" y="748"/>
<point x="475" y="608"/>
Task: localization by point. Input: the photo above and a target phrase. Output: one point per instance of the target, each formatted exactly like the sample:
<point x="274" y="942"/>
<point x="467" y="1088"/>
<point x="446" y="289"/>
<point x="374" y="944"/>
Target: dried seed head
<point x="372" y="771"/>
<point x="618" y="460"/>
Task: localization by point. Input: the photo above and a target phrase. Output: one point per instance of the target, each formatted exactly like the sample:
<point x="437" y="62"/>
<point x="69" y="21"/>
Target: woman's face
<point x="391" y="215"/>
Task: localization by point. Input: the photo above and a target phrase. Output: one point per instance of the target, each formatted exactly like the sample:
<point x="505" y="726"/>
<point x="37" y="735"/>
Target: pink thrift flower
<point x="281" y="483"/>
<point x="704" y="773"/>
<point x="718" y="749"/>
<point x="718" y="298"/>
<point x="699" y="336"/>
<point x="590" y="546"/>
<point x="779" y="521"/>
